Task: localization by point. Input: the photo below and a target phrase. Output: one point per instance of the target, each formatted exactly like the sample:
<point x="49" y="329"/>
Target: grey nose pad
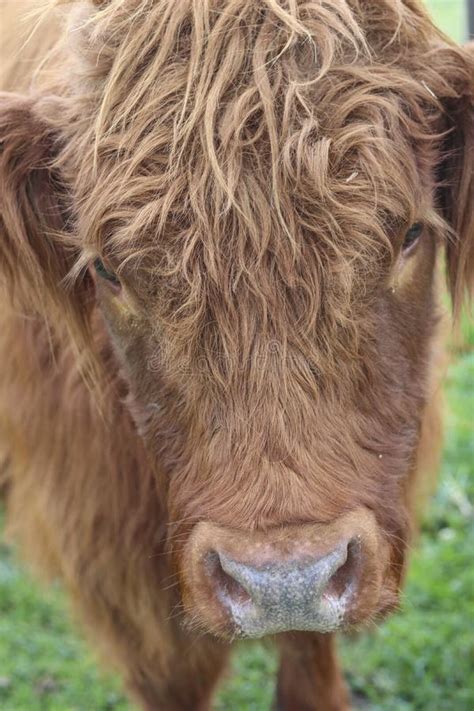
<point x="287" y="595"/>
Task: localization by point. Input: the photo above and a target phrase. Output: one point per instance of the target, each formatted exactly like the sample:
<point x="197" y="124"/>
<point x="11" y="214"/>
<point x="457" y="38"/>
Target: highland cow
<point x="221" y="227"/>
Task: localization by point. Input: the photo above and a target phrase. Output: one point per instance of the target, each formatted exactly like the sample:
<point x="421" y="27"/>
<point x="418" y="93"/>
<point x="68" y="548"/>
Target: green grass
<point x="421" y="659"/>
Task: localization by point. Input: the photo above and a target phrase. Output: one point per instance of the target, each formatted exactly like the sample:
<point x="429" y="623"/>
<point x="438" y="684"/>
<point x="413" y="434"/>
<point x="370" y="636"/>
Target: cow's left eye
<point x="104" y="273"/>
<point x="412" y="235"/>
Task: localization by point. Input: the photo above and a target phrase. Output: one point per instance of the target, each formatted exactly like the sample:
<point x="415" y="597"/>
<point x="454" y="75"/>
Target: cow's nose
<point x="302" y="593"/>
<point x="311" y="577"/>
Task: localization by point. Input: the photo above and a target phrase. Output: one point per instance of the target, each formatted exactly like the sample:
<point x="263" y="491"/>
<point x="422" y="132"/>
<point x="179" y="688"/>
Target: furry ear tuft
<point x="36" y="249"/>
<point x="33" y="209"/>
<point x="459" y="210"/>
<point x="457" y="173"/>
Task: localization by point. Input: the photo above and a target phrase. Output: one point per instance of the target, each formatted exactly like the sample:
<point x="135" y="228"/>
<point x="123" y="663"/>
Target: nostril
<point x="226" y="585"/>
<point x="347" y="573"/>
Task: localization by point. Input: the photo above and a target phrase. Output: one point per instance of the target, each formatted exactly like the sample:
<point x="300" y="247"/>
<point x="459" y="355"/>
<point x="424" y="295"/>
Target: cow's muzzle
<point x="298" y="577"/>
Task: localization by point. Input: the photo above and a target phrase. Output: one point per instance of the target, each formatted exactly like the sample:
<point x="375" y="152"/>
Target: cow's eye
<point x="104" y="273"/>
<point x="412" y="235"/>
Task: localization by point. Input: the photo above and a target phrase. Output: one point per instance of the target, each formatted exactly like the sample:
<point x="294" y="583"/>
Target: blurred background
<point x="422" y="659"/>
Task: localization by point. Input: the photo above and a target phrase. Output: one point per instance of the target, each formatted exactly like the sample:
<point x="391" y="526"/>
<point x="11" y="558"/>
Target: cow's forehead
<point x="344" y="182"/>
<point x="249" y="184"/>
<point x="219" y="127"/>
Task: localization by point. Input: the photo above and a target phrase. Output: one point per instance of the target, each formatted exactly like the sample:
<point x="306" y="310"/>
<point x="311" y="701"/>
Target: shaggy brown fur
<point x="248" y="169"/>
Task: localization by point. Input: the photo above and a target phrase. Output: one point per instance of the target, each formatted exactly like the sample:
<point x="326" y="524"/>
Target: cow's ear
<point x="456" y="195"/>
<point x="36" y="249"/>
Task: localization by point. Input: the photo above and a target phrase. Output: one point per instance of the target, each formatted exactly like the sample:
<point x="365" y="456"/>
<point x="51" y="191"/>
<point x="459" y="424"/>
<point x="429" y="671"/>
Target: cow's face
<point x="280" y="382"/>
<point x="259" y="215"/>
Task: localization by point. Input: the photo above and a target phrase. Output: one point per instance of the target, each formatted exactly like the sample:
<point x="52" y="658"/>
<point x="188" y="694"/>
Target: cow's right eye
<point x="105" y="274"/>
<point x="412" y="235"/>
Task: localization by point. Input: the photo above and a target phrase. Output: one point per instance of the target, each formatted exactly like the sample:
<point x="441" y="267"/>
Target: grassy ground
<point x="421" y="659"/>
